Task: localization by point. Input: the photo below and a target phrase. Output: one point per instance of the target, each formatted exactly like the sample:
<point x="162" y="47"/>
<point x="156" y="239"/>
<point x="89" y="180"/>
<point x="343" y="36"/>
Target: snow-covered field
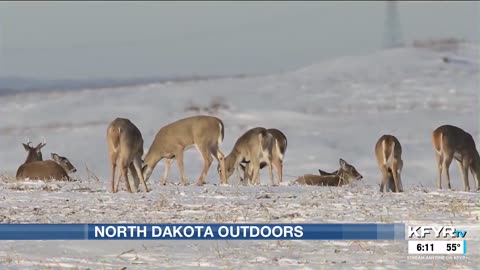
<point x="329" y="110"/>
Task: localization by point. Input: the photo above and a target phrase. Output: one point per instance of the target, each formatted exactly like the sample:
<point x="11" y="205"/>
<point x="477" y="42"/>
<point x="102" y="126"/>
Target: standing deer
<point x="451" y="142"/>
<point x="125" y="147"/>
<point x="279" y="147"/>
<point x="35" y="167"/>
<point x="205" y="132"/>
<point x="347" y="174"/>
<point x="255" y="148"/>
<point x="388" y="152"/>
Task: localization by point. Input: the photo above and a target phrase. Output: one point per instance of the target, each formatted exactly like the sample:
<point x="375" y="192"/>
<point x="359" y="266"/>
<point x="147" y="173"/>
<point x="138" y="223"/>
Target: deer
<point x="346" y="174"/>
<point x="125" y="148"/>
<point x="388" y="152"/>
<point x="35" y="167"/>
<point x="204" y="132"/>
<point x="254" y="147"/>
<point x="451" y="142"/>
<point x="279" y="147"/>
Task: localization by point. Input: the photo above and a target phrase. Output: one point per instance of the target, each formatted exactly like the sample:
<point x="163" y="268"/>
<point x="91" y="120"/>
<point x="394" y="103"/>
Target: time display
<point x="425" y="247"/>
<point x="437" y="247"/>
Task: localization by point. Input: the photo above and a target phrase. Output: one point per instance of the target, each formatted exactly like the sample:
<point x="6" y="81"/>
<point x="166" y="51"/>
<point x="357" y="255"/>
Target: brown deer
<point x="279" y="147"/>
<point x="125" y="148"/>
<point x="388" y="152"/>
<point x="451" y="142"/>
<point x="347" y="174"/>
<point x="254" y="147"/>
<point x="35" y="167"/>
<point x="204" y="132"/>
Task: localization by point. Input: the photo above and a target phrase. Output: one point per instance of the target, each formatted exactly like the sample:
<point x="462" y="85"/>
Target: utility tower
<point x="393" y="32"/>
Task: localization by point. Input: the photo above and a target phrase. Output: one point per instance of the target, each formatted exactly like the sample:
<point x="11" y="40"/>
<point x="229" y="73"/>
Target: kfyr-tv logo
<point x="437" y="232"/>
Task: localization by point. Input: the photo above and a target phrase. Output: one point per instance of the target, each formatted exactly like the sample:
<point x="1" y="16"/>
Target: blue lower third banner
<point x="199" y="231"/>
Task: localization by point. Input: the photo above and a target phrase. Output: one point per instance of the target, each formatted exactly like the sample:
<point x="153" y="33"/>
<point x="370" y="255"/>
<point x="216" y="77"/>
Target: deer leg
<point x="384" y="182"/>
<point x="279" y="167"/>
<point x="390" y="184"/>
<point x="256" y="170"/>
<point x="133" y="180"/>
<point x="247" y="174"/>
<point x="439" y="158"/>
<point x="137" y="171"/>
<point x="168" y="163"/>
<point x="475" y="174"/>
<point x="466" y="184"/>
<point x="179" y="156"/>
<point x="125" y="176"/>
<point x="117" y="184"/>
<point x="400" y="186"/>
<point x="207" y="162"/>
<point x="446" y="165"/>
<point x="270" y="173"/>
<point x="245" y="169"/>
<point x="396" y="179"/>
<point x="112" y="180"/>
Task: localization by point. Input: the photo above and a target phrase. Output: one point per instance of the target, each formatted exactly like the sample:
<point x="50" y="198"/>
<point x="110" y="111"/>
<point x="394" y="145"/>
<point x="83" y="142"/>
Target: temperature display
<point x="437" y="247"/>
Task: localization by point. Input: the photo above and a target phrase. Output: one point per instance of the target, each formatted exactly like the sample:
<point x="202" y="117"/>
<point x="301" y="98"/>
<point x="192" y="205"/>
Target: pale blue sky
<point x="88" y="40"/>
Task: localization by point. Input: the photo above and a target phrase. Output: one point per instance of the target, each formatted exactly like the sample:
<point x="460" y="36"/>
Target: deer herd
<point x="256" y="149"/>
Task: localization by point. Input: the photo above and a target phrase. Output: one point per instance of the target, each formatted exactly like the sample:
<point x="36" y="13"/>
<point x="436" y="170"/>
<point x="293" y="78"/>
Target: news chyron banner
<point x="237" y="231"/>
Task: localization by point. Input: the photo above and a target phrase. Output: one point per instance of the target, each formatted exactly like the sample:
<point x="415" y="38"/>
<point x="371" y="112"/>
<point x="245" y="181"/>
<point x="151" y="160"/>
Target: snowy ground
<point x="330" y="110"/>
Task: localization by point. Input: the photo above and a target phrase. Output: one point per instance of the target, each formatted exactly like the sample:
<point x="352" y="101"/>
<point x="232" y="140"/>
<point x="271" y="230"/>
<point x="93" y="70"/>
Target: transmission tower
<point x="393" y="35"/>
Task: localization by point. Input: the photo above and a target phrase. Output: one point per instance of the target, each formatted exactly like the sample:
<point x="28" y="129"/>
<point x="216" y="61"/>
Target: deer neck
<point x="32" y="157"/>
<point x="341" y="178"/>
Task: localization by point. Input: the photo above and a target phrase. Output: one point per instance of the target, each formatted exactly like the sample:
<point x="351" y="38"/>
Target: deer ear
<point x="26" y="147"/>
<point x="342" y="163"/>
<point x="54" y="156"/>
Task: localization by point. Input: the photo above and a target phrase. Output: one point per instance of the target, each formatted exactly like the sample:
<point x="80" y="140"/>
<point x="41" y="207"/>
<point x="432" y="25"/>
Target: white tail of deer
<point x="451" y="142"/>
<point x="205" y="132"/>
<point x="254" y="148"/>
<point x="35" y="167"/>
<point x="388" y="152"/>
<point x="345" y="175"/>
<point x="278" y="149"/>
<point x="125" y="147"/>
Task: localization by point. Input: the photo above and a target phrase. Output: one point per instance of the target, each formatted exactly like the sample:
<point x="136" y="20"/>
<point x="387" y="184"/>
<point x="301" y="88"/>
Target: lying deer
<point x="205" y="132"/>
<point x="343" y="176"/>
<point x="388" y="152"/>
<point x="125" y="148"/>
<point x="35" y="167"/>
<point x="451" y="142"/>
<point x="253" y="147"/>
<point x="279" y="147"/>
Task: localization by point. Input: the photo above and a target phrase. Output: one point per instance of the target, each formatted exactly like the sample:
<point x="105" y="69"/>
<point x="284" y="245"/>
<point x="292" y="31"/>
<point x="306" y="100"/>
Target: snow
<point x="329" y="110"/>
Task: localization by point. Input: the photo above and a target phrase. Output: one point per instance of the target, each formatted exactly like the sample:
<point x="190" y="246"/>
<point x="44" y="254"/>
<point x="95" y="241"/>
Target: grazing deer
<point x="254" y="147"/>
<point x="279" y="147"/>
<point x="451" y="142"/>
<point x="35" y="167"/>
<point x="205" y="132"/>
<point x="125" y="148"/>
<point x="388" y="152"/>
<point x="343" y="176"/>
